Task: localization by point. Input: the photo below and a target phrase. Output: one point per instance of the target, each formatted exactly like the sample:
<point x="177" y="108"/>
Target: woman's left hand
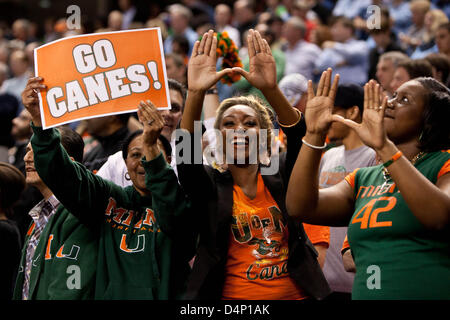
<point x="262" y="70"/>
<point x="371" y="129"/>
<point x="152" y="121"/>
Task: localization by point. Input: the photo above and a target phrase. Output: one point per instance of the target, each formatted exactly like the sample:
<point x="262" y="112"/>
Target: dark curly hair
<point x="436" y="130"/>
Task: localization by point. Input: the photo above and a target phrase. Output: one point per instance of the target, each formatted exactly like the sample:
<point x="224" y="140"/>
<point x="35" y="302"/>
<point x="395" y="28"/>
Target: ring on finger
<point x="150" y="122"/>
<point x="200" y="52"/>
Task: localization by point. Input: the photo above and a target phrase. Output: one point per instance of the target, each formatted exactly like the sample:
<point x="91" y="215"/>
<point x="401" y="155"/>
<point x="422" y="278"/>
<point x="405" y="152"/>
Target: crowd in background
<point x="392" y="43"/>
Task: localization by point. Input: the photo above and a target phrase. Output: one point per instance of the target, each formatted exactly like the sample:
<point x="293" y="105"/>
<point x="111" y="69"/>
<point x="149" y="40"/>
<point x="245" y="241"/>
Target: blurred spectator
<point x="12" y="184"/>
<point x="321" y="34"/>
<point x="222" y="16"/>
<point x="157" y="22"/>
<point x="350" y="8"/>
<point x="110" y="132"/>
<point x="21" y="31"/>
<point x="8" y="110"/>
<point x="386" y="66"/>
<point x="400" y="13"/>
<point x="115" y="20"/>
<point x="440" y="64"/>
<point x="443" y="38"/>
<point x="54" y="29"/>
<point x="414" y="35"/>
<point x="384" y="41"/>
<point x="18" y="62"/>
<point x="200" y="9"/>
<point x="4" y="53"/>
<point x="346" y="55"/>
<point x="294" y="87"/>
<point x="21" y="132"/>
<point x="244" y="16"/>
<point x="128" y="13"/>
<point x="114" y="169"/>
<point x="276" y="25"/>
<point x="277" y="8"/>
<point x="180" y="17"/>
<point x="444" y="5"/>
<point x="29" y="51"/>
<point x="294" y="33"/>
<point x="176" y="67"/>
<point x="180" y="46"/>
<point x="410" y="69"/>
<point x="433" y="19"/>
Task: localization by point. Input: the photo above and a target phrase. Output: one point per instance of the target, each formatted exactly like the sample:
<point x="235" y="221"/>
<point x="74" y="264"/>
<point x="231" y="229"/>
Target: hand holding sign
<point x="101" y="74"/>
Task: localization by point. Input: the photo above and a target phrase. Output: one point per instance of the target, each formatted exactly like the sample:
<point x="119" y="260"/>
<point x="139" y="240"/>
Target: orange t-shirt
<point x="256" y="267"/>
<point x="317" y="234"/>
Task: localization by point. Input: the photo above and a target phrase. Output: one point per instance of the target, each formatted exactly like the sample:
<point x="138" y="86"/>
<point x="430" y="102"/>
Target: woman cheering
<point x="248" y="247"/>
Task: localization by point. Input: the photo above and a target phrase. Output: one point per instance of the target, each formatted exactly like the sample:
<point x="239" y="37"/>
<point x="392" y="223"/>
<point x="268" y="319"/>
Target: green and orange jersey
<point x="256" y="267"/>
<point x="396" y="257"/>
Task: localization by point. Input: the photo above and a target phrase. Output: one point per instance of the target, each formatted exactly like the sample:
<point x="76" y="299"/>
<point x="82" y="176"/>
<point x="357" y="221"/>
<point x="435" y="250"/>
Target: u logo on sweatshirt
<point x="139" y="247"/>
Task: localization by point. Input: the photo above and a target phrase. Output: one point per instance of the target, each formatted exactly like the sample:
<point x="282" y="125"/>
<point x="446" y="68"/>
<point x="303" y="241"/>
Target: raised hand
<point x="202" y="73"/>
<point x="371" y="129"/>
<point x="319" y="108"/>
<point x="30" y="98"/>
<point x="262" y="72"/>
<point x="152" y="122"/>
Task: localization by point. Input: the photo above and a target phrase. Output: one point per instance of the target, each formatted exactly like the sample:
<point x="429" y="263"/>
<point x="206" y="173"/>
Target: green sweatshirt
<point x="63" y="263"/>
<point x="145" y="243"/>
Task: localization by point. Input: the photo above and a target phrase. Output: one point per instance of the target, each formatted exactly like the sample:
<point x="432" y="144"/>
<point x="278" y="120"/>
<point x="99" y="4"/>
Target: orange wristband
<point x="394" y="158"/>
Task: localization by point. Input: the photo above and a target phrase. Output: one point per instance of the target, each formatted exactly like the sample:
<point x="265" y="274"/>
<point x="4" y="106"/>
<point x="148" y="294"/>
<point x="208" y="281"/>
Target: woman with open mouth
<point x="398" y="212"/>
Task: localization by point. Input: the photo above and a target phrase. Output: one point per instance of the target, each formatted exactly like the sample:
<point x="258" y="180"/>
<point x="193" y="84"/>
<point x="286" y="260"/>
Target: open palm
<point x="371" y="130"/>
<point x="319" y="108"/>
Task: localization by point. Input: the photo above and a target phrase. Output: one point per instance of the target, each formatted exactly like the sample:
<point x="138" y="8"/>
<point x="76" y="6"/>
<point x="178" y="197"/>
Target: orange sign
<point x="101" y="74"/>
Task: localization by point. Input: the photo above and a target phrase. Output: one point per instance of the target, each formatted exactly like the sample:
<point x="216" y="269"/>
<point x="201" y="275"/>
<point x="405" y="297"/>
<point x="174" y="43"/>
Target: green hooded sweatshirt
<point x="64" y="262"/>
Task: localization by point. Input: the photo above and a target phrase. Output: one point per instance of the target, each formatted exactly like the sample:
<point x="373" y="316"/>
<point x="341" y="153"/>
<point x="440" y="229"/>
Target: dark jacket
<point x="95" y="158"/>
<point x="212" y="195"/>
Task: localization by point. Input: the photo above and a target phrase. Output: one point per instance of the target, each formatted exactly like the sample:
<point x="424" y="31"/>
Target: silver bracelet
<point x="315" y="147"/>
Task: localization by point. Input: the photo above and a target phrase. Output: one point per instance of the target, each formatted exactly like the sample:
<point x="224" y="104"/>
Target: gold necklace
<point x="413" y="161"/>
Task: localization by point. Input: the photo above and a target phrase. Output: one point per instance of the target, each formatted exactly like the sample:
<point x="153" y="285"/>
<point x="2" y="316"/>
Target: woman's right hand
<point x="202" y="73"/>
<point x="320" y="105"/>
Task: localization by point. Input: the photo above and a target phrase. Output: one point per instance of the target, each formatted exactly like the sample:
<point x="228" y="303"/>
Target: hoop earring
<point x="127" y="176"/>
